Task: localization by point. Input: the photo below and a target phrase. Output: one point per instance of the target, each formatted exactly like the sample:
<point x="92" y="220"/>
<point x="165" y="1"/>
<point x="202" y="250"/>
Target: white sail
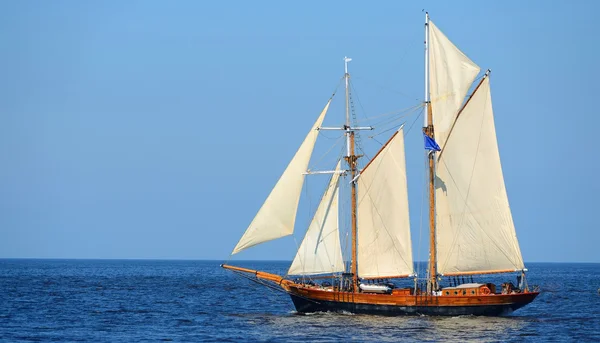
<point x="277" y="215"/>
<point x="320" y="252"/>
<point x="451" y="75"/>
<point x="475" y="230"/>
<point x="384" y="245"/>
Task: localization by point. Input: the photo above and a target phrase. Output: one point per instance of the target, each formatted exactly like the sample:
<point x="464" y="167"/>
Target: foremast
<point x="351" y="159"/>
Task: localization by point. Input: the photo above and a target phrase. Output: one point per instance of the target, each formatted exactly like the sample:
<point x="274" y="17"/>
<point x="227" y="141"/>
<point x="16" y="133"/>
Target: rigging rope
<point x="351" y="84"/>
<point x="270" y="285"/>
<point x="414" y="121"/>
<point x="396" y="126"/>
<point x="339" y="139"/>
<point x="403" y="112"/>
<point x="382" y="87"/>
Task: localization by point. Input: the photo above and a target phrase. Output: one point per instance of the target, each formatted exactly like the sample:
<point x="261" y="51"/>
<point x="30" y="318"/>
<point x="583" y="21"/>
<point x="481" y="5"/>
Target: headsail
<point x="451" y="75"/>
<point x="475" y="230"/>
<point x="277" y="215"/>
<point x="320" y="252"/>
<point x="384" y="244"/>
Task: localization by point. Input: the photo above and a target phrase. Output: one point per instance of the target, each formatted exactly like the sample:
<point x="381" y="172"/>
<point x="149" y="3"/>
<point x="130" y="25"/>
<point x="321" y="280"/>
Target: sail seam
<point x="368" y="193"/>
<point x="480" y="225"/>
<point x="460" y="226"/>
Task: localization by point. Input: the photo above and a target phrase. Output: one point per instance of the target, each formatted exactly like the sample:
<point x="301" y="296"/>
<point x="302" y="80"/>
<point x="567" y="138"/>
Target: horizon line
<point x="206" y="259"/>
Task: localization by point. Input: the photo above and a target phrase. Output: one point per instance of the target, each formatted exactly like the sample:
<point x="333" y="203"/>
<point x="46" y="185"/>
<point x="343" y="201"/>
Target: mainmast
<point x="428" y="130"/>
<point x="351" y="159"/>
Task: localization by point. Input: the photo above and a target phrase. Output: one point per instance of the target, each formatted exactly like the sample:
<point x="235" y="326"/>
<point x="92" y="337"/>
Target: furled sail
<point x="277" y="215"/>
<point x="320" y="252"/>
<point x="451" y="75"/>
<point x="475" y="230"/>
<point x="384" y="245"/>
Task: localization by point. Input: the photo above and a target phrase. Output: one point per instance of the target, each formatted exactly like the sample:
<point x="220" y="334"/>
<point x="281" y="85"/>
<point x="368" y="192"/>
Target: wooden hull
<point x="313" y="300"/>
<point x="476" y="300"/>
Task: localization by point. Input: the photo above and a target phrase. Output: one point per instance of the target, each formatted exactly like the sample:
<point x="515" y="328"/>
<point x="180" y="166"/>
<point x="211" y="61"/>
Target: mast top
<point x="346" y="60"/>
<point x="427" y="121"/>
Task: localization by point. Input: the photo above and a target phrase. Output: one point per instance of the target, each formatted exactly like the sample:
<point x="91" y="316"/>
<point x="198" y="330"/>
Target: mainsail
<point x="475" y="230"/>
<point x="320" y="251"/>
<point x="451" y="75"/>
<point x="277" y="215"/>
<point x="384" y="244"/>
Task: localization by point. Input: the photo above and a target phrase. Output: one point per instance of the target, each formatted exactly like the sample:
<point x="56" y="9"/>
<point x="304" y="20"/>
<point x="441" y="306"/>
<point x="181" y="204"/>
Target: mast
<point x="351" y="159"/>
<point x="426" y="117"/>
<point x="428" y="129"/>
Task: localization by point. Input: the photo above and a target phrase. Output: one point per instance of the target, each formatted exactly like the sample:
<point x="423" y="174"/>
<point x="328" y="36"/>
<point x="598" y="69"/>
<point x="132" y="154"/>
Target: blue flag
<point x="430" y="144"/>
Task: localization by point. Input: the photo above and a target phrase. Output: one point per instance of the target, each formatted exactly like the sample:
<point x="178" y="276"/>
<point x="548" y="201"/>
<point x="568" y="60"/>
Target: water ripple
<point x="141" y="301"/>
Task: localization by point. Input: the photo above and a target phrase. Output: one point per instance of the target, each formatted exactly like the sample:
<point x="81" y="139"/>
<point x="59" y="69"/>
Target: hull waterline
<point x="308" y="300"/>
<point x="305" y="305"/>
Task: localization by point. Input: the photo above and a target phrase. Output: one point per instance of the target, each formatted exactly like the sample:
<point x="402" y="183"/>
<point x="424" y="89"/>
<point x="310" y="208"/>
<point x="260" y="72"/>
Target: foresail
<point x="451" y="76"/>
<point x="277" y="215"/>
<point x="384" y="244"/>
<point x="320" y="251"/>
<point x="475" y="230"/>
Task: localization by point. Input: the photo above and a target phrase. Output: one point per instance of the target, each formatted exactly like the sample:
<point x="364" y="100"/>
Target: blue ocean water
<point x="197" y="301"/>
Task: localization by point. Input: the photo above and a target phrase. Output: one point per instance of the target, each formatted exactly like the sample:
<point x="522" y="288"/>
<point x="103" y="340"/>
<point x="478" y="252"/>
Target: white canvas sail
<point x="384" y="244"/>
<point x="451" y="75"/>
<point x="475" y="230"/>
<point x="320" y="252"/>
<point x="277" y="215"/>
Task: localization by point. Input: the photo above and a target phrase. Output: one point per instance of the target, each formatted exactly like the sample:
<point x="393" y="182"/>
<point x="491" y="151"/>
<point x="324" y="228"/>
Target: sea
<point x="197" y="301"/>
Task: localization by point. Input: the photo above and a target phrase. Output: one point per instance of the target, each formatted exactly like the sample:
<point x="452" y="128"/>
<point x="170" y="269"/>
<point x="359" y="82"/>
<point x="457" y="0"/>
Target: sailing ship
<point x="471" y="230"/>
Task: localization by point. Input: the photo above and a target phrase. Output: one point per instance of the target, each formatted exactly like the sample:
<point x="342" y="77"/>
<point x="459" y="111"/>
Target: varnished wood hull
<point x="307" y="300"/>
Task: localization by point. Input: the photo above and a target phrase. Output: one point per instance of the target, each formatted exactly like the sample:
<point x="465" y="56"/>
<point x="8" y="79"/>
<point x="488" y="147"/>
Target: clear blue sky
<point x="155" y="129"/>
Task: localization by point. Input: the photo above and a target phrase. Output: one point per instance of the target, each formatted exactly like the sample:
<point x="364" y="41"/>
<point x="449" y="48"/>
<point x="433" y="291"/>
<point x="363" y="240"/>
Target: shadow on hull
<point x="304" y="305"/>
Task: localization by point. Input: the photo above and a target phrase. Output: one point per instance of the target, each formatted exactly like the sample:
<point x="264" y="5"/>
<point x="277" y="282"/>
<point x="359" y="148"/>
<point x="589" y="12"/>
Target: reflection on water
<point x="328" y="326"/>
<point x="473" y="329"/>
